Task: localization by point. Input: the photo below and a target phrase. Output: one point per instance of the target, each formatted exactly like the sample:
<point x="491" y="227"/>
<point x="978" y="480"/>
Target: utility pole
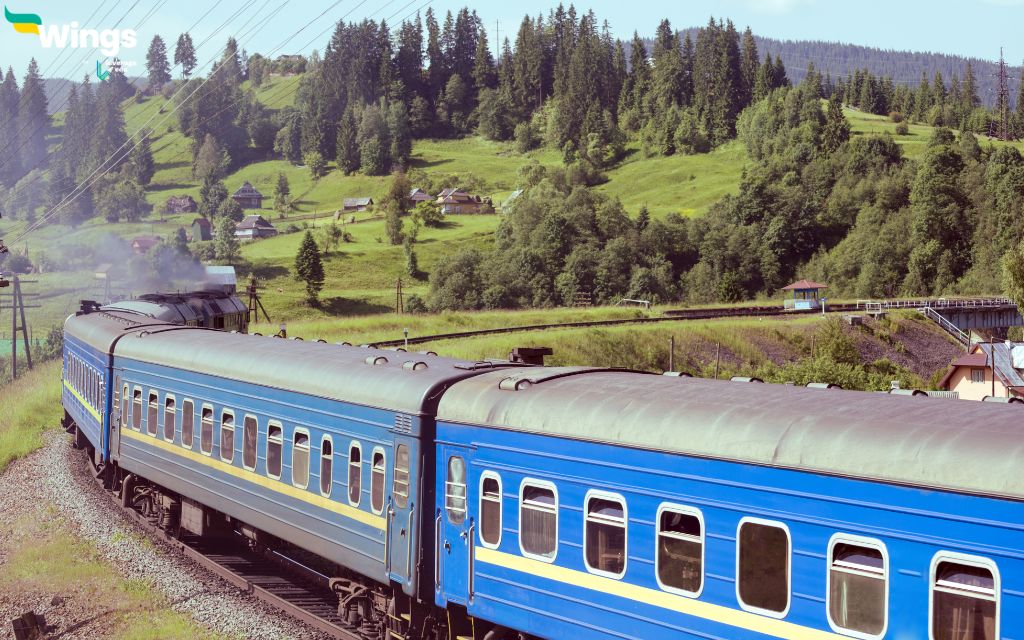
<point x="18" y="307"/>
<point x="255" y="305"/>
<point x="399" y="303"/>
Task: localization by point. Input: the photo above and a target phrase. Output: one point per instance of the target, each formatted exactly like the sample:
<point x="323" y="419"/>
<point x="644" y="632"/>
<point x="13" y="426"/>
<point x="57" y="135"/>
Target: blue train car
<point x="319" y="445"/>
<point x="620" y="505"/>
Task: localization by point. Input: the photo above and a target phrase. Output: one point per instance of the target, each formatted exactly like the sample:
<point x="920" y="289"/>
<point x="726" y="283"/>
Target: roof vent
<point x="743" y="379"/>
<point x="414" y="366"/>
<point x="677" y="374"/>
<point x="295" y="338"/>
<point x="822" y="385"/>
<point x="257" y="333"/>
<point x="1011" y="400"/>
<point x="908" y="392"/>
<point x="427" y="353"/>
<point x="396" y="349"/>
<point x="321" y="341"/>
<point x="343" y="344"/>
<point x="514" y="384"/>
<point x="376" y="360"/>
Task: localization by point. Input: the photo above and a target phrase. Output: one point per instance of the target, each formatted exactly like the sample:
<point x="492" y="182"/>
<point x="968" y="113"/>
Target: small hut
<point x="248" y="197"/>
<point x="806" y="295"/>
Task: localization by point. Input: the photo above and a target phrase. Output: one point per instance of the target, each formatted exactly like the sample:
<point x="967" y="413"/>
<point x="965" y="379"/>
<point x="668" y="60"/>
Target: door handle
<point x="447" y="546"/>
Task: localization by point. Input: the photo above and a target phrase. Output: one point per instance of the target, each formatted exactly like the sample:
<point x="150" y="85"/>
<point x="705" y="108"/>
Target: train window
<point x="763" y="571"/>
<point x="355" y="473"/>
<point x="187" y="421"/>
<point x="377" y="472"/>
<point x="604" y="534"/>
<point x="124" y="406"/>
<point x="137" y="409"/>
<point x="965" y="598"/>
<point x="538" y="520"/>
<point x="275" y="442"/>
<point x="116" y="404"/>
<point x="153" y="414"/>
<point x="227" y="435"/>
<point x="490" y="510"/>
<point x="300" y="459"/>
<point x="250" y="431"/>
<point x="857" y="586"/>
<point x="455" y="490"/>
<point x="206" y="430"/>
<point x="401" y="481"/>
<point x="680" y="559"/>
<point x="169" y="418"/>
<point x="326" y="465"/>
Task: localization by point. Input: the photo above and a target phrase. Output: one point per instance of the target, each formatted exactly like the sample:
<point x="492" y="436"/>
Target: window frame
<point x="979" y="562"/>
<point x="977" y="370"/>
<point x="271" y="424"/>
<point x="494" y="475"/>
<point x="538" y="484"/>
<point x="859" y="541"/>
<point x="202" y="410"/>
<point x="401" y="499"/>
<point x="256" y="447"/>
<point x="125" y="405"/>
<point x="686" y="511"/>
<point x="136" y="412"/>
<point x="320" y="467"/>
<point x="174" y="417"/>
<point x="384" y="480"/>
<point x="220" y="436"/>
<point x="789" y="567"/>
<point x="608" y="496"/>
<point x="448" y="508"/>
<point x="355" y="444"/>
<point x="309" y="450"/>
<point x="192" y="430"/>
<point x="154" y="429"/>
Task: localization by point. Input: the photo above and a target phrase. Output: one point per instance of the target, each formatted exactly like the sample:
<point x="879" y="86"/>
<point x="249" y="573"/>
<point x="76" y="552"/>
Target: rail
<point x="937" y="303"/>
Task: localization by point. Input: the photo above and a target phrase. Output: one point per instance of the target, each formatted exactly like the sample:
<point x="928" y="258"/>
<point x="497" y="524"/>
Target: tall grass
<point x="29" y="406"/>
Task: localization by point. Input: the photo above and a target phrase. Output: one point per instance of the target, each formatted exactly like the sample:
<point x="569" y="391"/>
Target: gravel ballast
<point x="55" y="477"/>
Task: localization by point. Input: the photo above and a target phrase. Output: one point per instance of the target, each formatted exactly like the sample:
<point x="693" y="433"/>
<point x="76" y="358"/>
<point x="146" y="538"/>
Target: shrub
<point x="902" y="129"/>
<point x="896" y="116"/>
<point x="415" y="304"/>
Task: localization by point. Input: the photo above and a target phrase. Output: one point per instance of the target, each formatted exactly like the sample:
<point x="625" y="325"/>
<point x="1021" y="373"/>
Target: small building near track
<point x="806" y="295"/>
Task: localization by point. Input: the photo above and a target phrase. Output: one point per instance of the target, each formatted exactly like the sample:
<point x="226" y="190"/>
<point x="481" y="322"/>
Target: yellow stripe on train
<point x="251" y="476"/>
<point x="689" y="606"/>
<point x="88" y="407"/>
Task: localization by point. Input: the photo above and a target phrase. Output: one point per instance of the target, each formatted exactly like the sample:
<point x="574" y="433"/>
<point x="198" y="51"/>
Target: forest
<point x="813" y="200"/>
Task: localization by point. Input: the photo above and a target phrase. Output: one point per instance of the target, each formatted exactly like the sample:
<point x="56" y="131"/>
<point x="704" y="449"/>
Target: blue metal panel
<point x="88" y="410"/>
<point x="321" y="524"/>
<point x="563" y="598"/>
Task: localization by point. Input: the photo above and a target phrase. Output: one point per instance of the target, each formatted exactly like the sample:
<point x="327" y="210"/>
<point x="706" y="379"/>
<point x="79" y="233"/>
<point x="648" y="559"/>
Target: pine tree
<point x="749" y="64"/>
<point x="484" y="74"/>
<point x="211" y="194"/>
<point x="185" y="55"/>
<point x="970" y="90"/>
<point x="109" y="142"/>
<point x="142" y="165"/>
<point x="348" y="145"/>
<point x="33" y="120"/>
<point x="10" y="165"/>
<point x="282" y="192"/>
<point x="309" y="268"/>
<point x="226" y="247"/>
<point x="837" y="130"/>
<point x="156" y="64"/>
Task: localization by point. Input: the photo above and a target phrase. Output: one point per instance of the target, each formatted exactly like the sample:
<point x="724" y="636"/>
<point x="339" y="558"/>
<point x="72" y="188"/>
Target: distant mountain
<point x="905" y="67"/>
<point x="57" y="91"/>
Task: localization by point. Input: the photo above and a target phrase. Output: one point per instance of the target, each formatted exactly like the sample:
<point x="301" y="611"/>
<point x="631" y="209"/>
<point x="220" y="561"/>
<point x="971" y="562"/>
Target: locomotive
<point x="470" y="500"/>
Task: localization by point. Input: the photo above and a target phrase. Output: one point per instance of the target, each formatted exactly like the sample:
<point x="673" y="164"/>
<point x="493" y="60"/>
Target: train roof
<point x="955" y="445"/>
<point x="393" y="380"/>
<point x="101" y="329"/>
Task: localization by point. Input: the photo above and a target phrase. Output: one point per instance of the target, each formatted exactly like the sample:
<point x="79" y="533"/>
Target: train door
<point x="402" y="525"/>
<point x="455" y="527"/>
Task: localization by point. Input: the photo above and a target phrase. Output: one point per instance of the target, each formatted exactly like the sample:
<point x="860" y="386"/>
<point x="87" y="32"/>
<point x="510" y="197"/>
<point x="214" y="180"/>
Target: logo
<point x="24" y="22"/>
<point x="61" y="36"/>
<point x="100" y="73"/>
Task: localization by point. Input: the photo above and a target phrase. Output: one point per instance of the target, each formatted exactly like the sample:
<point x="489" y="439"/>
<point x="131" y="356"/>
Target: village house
<point x="142" y="244"/>
<point x="248" y="197"/>
<point x="254" y="227"/>
<point x="971" y="376"/>
<point x="356" y="204"/>
<point x="418" y="195"/>
<point x="201" y="230"/>
<point x="181" y="204"/>
<point x="455" y="200"/>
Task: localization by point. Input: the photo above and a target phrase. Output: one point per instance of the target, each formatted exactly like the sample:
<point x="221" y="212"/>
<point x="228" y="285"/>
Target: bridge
<point x="960" y="317"/>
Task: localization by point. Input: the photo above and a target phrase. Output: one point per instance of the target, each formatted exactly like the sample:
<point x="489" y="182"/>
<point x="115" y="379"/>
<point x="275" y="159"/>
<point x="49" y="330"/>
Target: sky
<point x="974" y="28"/>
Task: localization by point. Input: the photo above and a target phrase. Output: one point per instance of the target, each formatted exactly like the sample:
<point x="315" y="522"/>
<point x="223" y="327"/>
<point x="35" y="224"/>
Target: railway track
<point x="670" y="316"/>
<point x="279" y="581"/>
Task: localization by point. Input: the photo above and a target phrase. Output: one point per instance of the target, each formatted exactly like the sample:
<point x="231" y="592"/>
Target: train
<point x="492" y="500"/>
